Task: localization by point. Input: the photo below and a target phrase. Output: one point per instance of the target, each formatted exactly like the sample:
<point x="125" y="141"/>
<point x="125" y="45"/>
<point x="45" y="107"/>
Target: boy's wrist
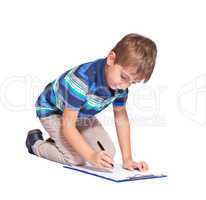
<point x="127" y="159"/>
<point x="91" y="157"/>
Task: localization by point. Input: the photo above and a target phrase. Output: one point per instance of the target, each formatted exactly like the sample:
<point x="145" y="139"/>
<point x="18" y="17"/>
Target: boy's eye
<point x="123" y="77"/>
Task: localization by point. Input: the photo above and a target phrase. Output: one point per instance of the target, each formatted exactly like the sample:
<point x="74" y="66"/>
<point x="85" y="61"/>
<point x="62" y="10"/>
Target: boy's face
<point x="119" y="77"/>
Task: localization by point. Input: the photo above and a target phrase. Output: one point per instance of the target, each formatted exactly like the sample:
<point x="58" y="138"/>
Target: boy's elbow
<point x="120" y="114"/>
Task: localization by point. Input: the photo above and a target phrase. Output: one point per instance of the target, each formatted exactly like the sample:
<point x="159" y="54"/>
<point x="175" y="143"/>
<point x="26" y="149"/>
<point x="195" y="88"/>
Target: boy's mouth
<point x="114" y="87"/>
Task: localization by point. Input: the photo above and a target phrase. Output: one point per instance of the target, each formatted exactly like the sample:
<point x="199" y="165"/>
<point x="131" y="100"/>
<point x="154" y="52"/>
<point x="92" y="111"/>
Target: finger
<point x="141" y="167"/>
<point x="107" y="158"/>
<point x="145" y="166"/>
<point x="105" y="164"/>
<point x="108" y="162"/>
<point x="129" y="168"/>
<point x="138" y="166"/>
<point x="108" y="155"/>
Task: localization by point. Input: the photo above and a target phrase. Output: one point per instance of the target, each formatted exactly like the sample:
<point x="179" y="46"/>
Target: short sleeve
<point x="71" y="92"/>
<point x="121" y="99"/>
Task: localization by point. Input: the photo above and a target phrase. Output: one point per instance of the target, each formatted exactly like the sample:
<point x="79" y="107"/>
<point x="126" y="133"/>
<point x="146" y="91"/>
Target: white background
<point x="39" y="40"/>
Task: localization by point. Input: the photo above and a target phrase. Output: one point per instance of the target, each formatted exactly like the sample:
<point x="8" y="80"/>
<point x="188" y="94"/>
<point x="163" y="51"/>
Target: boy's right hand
<point x="101" y="159"/>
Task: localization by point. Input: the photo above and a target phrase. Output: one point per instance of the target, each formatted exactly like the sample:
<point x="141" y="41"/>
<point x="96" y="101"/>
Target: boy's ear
<point x="111" y="58"/>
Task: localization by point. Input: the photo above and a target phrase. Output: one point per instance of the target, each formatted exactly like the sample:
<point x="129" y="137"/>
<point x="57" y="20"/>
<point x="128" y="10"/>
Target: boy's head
<point x="132" y="60"/>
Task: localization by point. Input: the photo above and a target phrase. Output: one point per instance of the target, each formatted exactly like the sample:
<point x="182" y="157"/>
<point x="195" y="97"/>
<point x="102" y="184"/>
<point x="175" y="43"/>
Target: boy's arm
<point x="98" y="159"/>
<point x="73" y="136"/>
<point x="123" y="131"/>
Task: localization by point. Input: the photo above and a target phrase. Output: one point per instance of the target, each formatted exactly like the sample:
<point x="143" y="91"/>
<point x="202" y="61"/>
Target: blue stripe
<point x="82" y="69"/>
<point x="118" y="103"/>
<point x="68" y="94"/>
<point x="43" y="113"/>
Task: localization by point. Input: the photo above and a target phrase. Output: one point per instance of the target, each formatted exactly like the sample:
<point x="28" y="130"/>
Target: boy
<point x="68" y="105"/>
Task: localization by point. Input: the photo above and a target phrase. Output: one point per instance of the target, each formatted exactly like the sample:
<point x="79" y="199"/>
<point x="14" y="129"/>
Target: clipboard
<point x="117" y="174"/>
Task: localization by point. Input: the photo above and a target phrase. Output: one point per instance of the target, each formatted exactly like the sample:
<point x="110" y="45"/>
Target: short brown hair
<point x="136" y="50"/>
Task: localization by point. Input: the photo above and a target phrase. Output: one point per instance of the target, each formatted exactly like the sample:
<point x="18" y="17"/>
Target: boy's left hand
<point x="132" y="165"/>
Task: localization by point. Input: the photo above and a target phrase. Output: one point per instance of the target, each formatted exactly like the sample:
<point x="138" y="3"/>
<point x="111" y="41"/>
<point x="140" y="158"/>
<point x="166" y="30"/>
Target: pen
<point x="103" y="149"/>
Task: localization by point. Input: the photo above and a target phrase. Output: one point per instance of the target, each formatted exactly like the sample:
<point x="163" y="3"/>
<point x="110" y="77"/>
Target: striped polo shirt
<point x="83" y="89"/>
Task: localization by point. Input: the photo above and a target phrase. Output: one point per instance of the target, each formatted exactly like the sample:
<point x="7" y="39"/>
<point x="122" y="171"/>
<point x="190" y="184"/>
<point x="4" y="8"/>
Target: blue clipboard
<point x="107" y="176"/>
